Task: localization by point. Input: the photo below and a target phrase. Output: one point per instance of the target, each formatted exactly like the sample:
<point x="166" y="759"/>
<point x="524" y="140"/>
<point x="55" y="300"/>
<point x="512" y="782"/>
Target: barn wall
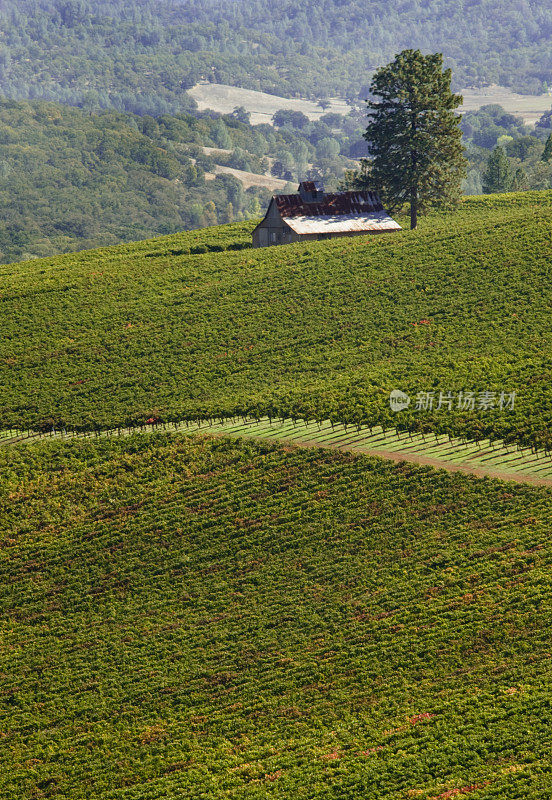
<point x="266" y="234"/>
<point x="305" y="237"/>
<point x="272" y="230"/>
<point x="269" y="235"/>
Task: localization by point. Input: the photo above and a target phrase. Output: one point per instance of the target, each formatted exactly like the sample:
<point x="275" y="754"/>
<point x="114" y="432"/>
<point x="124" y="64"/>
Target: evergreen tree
<point x="220" y="135"/>
<point x="413" y="134"/>
<point x="547" y="155"/>
<point x="498" y="175"/>
<point x="520" y="182"/>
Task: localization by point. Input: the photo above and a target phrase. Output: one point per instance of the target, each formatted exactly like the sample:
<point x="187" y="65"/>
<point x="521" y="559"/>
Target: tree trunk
<point x="413" y="208"/>
<point x="414" y="184"/>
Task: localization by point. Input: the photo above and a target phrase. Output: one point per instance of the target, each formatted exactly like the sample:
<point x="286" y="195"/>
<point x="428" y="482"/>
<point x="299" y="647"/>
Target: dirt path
<point x="416" y="458"/>
<point x="297" y="437"/>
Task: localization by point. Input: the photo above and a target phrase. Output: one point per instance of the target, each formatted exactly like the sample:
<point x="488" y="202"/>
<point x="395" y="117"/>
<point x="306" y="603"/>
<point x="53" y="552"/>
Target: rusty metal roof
<point x="292" y="205"/>
<point x="309" y="186"/>
<point x="336" y="213"/>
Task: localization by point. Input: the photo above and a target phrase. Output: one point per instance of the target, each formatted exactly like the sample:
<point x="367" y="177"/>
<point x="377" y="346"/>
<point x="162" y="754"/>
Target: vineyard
<point x="198" y="325"/>
<point x="211" y="618"/>
<point x="232" y="617"/>
<point x="484" y="458"/>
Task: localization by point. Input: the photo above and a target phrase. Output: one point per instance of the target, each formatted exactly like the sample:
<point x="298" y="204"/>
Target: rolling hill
<point x="217" y="618"/>
<point x="194" y="325"/>
<point x="208" y="614"/>
<point x="204" y="618"/>
<point x="144" y="56"/>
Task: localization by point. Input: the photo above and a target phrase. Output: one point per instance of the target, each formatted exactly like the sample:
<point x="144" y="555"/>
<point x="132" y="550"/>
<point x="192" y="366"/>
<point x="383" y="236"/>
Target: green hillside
<point x="215" y="619"/>
<point x="293" y="592"/>
<point x="187" y="326"/>
<point x="195" y="617"/>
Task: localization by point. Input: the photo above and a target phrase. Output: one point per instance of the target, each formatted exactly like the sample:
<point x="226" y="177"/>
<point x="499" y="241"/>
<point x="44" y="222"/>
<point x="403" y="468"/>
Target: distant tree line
<point x="520" y="155"/>
<point x="142" y="57"/>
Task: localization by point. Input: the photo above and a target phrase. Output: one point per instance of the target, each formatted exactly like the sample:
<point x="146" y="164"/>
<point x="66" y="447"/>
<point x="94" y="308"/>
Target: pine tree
<point x="547" y="155"/>
<point x="498" y="175"/>
<point x="414" y="135"/>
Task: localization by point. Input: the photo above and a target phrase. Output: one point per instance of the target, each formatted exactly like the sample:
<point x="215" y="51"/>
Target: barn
<point x="315" y="214"/>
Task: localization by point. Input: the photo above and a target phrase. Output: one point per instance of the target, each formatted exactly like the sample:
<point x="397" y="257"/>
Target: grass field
<point x="529" y="107"/>
<point x="219" y="619"/>
<point x="191" y="325"/>
<point x="223" y="98"/>
<point x="249" y="178"/>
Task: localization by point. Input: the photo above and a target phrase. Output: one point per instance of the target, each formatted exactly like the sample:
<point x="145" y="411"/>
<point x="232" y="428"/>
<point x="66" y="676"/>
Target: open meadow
<point x="529" y="107"/>
<point x="261" y="105"/>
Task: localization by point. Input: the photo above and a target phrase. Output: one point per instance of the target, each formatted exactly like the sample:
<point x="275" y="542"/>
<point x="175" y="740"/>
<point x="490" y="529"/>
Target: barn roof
<point x="292" y="205"/>
<point x="335" y="213"/>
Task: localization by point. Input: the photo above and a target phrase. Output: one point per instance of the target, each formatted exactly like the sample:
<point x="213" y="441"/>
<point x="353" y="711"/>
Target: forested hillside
<point x="142" y="56"/>
<point x="71" y="179"/>
<point x="78" y="178"/>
